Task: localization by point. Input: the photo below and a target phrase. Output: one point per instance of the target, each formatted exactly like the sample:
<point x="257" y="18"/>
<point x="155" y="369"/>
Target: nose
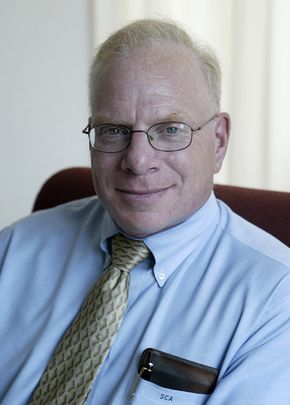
<point x="139" y="158"/>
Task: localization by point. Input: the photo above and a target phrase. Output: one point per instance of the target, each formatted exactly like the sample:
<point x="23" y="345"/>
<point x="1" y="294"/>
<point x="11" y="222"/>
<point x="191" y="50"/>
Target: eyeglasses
<point x="165" y="136"/>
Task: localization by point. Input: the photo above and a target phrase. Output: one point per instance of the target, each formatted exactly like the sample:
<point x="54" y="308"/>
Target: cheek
<point x="205" y="153"/>
<point x="102" y="171"/>
<point x="197" y="167"/>
<point x="195" y="161"/>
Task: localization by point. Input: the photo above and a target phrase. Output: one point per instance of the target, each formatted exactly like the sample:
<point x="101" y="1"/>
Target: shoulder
<point x="255" y="265"/>
<point x="255" y="261"/>
<point x="61" y="222"/>
<point x="251" y="240"/>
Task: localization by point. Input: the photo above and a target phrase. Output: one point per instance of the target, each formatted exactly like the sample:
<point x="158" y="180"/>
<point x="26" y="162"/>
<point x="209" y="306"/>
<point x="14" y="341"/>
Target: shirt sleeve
<point x="259" y="372"/>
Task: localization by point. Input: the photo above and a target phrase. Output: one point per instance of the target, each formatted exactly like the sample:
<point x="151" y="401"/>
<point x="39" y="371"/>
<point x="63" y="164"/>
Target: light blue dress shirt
<point x="217" y="293"/>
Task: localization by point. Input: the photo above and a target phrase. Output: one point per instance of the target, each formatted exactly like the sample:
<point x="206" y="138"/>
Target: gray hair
<point x="151" y="31"/>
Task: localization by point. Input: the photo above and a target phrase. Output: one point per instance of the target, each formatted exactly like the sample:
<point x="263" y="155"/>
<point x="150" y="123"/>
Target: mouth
<point x="142" y="194"/>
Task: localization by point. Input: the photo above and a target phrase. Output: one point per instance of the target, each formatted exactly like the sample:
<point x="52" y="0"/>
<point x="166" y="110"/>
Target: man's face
<point x="146" y="190"/>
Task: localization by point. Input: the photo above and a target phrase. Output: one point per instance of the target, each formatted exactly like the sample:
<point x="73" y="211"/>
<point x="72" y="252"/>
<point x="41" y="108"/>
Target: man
<point x="215" y="290"/>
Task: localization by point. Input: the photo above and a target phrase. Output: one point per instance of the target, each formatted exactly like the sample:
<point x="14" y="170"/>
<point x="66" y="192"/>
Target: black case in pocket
<point x="177" y="373"/>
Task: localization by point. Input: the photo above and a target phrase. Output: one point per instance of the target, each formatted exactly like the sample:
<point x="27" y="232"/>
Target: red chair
<point x="270" y="210"/>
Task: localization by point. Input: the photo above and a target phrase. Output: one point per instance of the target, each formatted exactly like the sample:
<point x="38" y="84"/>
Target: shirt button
<point x="161" y="276"/>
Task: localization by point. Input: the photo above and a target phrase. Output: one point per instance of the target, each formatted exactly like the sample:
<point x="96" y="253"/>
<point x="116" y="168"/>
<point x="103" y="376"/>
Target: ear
<point x="221" y="134"/>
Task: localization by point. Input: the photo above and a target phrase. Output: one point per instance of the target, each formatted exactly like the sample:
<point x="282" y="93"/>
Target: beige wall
<point x="45" y="55"/>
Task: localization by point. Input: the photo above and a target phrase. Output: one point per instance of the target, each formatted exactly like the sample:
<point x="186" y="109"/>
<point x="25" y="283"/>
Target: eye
<point x="111" y="130"/>
<point x="170" y="129"/>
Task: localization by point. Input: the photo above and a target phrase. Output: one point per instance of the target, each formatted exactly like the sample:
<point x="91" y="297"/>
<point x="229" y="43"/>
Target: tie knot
<point x="127" y="253"/>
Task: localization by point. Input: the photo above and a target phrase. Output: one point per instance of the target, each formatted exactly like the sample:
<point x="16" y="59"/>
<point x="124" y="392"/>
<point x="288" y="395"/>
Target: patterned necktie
<point x="74" y="365"/>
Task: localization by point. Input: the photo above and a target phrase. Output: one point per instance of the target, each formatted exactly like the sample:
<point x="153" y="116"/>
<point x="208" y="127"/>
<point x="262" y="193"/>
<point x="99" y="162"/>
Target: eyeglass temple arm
<point x="87" y="129"/>
<point x="207" y="122"/>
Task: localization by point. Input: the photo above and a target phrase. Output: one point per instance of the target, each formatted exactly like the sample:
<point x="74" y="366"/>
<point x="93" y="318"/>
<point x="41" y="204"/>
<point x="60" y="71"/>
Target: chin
<point x="137" y="230"/>
<point x="139" y="226"/>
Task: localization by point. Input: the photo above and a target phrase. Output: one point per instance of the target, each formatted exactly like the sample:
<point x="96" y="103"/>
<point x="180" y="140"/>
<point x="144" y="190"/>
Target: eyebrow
<point x="173" y="117"/>
<point x="103" y="119"/>
<point x="96" y="119"/>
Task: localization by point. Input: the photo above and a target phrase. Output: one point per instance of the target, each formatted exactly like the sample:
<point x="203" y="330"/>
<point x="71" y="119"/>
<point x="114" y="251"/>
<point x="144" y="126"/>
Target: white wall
<point x="45" y="55"/>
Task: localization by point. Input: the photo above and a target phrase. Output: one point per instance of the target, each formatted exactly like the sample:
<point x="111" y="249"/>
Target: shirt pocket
<point x="148" y="393"/>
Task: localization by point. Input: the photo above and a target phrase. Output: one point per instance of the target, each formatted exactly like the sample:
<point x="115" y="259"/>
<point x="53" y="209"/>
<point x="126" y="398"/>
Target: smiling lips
<point x="142" y="193"/>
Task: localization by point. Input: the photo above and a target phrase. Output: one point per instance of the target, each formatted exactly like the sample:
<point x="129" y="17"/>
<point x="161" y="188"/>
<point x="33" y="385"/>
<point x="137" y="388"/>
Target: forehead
<point x="156" y="59"/>
<point x="153" y="72"/>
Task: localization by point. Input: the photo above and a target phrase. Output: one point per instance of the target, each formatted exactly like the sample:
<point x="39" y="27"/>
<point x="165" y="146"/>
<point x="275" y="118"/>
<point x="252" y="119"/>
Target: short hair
<point x="152" y="31"/>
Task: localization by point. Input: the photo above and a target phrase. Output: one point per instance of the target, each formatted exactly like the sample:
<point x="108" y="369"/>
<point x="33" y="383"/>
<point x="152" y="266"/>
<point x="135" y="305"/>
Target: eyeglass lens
<point x="170" y="136"/>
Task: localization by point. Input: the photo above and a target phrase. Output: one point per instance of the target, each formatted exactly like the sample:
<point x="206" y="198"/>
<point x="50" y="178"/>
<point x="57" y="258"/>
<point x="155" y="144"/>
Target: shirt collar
<point x="171" y="246"/>
<point x="109" y="229"/>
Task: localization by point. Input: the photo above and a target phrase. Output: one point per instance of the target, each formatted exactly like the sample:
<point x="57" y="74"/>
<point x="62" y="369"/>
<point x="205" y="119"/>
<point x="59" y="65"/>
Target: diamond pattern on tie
<point x="85" y="345"/>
